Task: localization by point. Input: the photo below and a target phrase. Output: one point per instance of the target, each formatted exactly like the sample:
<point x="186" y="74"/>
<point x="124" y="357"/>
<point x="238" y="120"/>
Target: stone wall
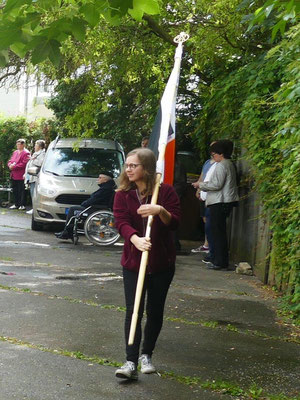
<point x="248" y="228"/>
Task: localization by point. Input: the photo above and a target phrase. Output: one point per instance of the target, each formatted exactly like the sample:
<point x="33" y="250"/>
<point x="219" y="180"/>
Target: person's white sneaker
<point x="29" y="212"/>
<point x="127" y="371"/>
<point x="22" y="208"/>
<point x="146" y="365"/>
<point x="13" y="207"/>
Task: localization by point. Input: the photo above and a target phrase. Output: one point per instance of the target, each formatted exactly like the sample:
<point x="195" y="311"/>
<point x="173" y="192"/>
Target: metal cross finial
<point x="182" y="37"/>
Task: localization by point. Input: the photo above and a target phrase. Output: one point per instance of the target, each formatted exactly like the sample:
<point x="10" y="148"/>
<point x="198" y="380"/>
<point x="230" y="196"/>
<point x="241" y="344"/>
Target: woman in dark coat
<point x="131" y="209"/>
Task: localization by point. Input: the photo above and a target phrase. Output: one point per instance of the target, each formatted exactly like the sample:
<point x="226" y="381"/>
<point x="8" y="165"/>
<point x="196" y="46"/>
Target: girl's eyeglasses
<point x="131" y="166"/>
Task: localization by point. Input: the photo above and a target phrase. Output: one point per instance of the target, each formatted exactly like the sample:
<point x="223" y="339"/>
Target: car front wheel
<point x="36" y="226"/>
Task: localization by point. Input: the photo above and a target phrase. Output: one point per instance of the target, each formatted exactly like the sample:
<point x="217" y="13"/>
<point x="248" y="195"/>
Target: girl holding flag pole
<point x="132" y="207"/>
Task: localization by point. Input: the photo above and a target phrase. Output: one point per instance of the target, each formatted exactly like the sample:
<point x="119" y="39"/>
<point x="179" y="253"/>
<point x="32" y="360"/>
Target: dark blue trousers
<point x="219" y="213"/>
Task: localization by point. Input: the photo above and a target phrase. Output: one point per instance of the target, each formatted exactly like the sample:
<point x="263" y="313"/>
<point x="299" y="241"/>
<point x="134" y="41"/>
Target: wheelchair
<point x="97" y="224"/>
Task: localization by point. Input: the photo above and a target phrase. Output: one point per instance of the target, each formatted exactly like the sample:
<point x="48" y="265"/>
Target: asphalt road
<point x="61" y="335"/>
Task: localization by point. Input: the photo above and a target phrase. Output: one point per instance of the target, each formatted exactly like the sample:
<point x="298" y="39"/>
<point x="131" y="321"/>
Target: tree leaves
<point x="10" y="33"/>
<point x="284" y="11"/>
<point x="141" y="7"/>
<point x="45" y="48"/>
<point x="19" y="49"/>
<point x="12" y="7"/>
<point x="78" y="28"/>
<point x="3" y="58"/>
<point x="44" y="25"/>
<point x="91" y="14"/>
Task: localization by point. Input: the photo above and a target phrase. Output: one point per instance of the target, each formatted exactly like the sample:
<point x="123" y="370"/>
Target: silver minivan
<point x="69" y="175"/>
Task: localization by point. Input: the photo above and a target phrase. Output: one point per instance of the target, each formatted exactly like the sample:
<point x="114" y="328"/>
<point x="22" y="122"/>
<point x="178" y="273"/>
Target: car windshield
<point x="83" y="163"/>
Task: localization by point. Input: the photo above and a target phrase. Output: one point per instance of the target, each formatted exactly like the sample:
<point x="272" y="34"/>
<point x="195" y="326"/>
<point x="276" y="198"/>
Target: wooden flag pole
<point x="169" y="96"/>
<point x="143" y="266"/>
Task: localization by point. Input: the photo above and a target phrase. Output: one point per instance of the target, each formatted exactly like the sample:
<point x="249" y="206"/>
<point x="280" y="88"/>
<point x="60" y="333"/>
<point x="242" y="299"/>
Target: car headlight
<point x="46" y="191"/>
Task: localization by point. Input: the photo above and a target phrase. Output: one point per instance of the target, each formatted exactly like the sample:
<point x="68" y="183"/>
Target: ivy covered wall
<point x="259" y="105"/>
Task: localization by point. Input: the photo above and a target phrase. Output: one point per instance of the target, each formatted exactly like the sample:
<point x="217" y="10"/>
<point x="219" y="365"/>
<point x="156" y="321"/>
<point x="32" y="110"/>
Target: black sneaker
<point x="216" y="267"/>
<point x="63" y="235"/>
<point x="207" y="260"/>
<point x="127" y="371"/>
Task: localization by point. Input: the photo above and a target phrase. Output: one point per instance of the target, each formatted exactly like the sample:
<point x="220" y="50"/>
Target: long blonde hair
<point x="148" y="160"/>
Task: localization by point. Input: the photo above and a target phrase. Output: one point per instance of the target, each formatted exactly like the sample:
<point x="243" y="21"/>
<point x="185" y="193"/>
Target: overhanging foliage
<point x="39" y="28"/>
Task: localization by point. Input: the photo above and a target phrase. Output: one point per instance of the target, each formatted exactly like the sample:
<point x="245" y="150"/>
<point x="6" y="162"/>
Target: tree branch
<point x="13" y="69"/>
<point x="158" y="30"/>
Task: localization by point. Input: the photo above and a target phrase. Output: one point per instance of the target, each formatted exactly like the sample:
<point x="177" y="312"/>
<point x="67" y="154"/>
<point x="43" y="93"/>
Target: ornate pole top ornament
<point x="182" y="37"/>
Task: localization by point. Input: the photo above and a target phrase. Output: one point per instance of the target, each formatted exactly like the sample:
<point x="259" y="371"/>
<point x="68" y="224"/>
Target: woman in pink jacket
<point x="131" y="209"/>
<point x="17" y="165"/>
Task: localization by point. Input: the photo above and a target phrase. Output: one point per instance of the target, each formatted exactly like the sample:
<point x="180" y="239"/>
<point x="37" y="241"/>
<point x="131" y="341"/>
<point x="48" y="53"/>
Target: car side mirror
<point x="33" y="171"/>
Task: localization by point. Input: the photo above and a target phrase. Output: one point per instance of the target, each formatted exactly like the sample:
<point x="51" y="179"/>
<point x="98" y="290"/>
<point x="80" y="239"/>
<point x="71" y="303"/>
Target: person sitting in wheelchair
<point x="102" y="197"/>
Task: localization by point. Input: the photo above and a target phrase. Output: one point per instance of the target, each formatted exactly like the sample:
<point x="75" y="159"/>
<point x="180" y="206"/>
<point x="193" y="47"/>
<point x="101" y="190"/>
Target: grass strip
<point x="203" y="323"/>
<point x="253" y="392"/>
<point x="61" y="352"/>
<point x="232" y="328"/>
<point x="219" y="386"/>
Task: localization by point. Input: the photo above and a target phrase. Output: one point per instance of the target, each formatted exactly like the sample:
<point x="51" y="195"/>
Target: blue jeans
<point x="32" y="186"/>
<point x="208" y="233"/>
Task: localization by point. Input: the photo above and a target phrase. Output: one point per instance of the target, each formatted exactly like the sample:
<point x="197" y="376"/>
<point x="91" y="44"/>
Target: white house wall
<point x="27" y="100"/>
<point x="10" y="103"/>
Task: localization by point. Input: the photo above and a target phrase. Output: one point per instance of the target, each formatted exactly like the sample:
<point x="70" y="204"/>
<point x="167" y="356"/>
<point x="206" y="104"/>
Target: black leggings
<point x="156" y="286"/>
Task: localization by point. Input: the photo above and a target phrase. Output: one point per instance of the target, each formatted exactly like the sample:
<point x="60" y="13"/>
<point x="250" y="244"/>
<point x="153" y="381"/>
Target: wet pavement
<point x="62" y="312"/>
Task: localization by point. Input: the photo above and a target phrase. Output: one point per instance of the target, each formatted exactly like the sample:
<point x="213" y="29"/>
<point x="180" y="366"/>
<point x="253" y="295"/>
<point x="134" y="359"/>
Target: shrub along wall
<point x="258" y="106"/>
<point x="273" y="144"/>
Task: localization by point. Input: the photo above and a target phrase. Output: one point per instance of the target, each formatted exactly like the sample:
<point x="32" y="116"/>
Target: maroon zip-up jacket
<point x="162" y="255"/>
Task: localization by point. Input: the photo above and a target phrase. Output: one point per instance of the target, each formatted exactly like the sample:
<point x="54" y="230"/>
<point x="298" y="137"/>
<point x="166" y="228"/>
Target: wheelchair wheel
<point x="75" y="233"/>
<point x="75" y="238"/>
<point x="100" y="228"/>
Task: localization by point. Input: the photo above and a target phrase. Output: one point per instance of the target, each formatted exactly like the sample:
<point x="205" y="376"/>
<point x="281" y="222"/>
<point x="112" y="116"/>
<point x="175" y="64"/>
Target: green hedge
<point x="12" y="129"/>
